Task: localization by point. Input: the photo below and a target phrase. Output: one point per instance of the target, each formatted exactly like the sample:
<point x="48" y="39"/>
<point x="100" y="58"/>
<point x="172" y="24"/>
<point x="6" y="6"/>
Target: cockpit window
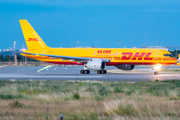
<point x="168" y="55"/>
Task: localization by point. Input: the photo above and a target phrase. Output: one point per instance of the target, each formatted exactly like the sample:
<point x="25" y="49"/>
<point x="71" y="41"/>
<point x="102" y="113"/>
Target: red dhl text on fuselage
<point x="129" y="55"/>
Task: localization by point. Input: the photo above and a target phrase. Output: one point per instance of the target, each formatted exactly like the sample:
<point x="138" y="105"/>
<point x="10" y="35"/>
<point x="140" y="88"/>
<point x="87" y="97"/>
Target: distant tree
<point x="19" y="58"/>
<point x="1" y="58"/>
<point x="8" y="58"/>
<point x="175" y="53"/>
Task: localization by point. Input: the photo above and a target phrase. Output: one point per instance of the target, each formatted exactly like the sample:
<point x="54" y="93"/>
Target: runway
<point x="72" y="73"/>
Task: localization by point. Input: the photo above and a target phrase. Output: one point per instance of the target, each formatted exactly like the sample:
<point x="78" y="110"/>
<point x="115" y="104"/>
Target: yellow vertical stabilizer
<point x="33" y="40"/>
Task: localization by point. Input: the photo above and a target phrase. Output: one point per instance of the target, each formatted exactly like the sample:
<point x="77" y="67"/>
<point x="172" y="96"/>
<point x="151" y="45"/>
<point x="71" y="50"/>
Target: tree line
<point x="9" y="58"/>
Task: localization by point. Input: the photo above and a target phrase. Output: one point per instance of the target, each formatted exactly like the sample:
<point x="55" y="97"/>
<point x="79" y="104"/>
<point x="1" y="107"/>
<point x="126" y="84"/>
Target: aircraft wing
<point x="78" y="59"/>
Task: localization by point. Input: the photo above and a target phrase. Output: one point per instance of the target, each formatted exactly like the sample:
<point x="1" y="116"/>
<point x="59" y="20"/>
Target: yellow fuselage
<point x="117" y="56"/>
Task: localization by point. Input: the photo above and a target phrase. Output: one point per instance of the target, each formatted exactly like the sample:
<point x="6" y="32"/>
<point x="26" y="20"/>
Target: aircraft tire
<point x="155" y="73"/>
<point x="86" y="71"/>
<point x="99" y="72"/>
<point x="103" y="72"/>
<point x="82" y="71"/>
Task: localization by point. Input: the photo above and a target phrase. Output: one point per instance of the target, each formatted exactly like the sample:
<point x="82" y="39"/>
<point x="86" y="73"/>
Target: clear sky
<point x="92" y="22"/>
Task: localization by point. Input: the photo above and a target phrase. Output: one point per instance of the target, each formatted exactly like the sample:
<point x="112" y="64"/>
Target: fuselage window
<point x="168" y="55"/>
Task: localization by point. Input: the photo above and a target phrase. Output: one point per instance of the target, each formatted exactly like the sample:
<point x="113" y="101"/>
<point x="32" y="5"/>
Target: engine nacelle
<point x="96" y="64"/>
<point x="125" y="67"/>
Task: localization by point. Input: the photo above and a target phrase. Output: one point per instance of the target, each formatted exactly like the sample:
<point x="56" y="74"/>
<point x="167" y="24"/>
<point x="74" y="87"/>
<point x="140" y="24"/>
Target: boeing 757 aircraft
<point x="92" y="58"/>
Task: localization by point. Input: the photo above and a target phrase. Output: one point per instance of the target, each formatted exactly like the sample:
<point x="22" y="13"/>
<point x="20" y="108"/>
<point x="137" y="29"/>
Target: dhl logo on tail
<point x="33" y="39"/>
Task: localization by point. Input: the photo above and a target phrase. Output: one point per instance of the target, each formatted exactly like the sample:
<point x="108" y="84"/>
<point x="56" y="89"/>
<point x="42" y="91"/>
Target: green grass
<point x="16" y="104"/>
<point x="78" y="99"/>
<point x="126" y="110"/>
<point x="10" y="96"/>
<point x="25" y="89"/>
<point x="76" y="95"/>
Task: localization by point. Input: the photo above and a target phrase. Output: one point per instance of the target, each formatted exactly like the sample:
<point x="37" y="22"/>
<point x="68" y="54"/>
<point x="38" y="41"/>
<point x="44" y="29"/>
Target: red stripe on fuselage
<point x="110" y="63"/>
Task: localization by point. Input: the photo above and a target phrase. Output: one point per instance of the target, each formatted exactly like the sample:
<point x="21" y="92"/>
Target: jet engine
<point x="96" y="64"/>
<point x="125" y="67"/>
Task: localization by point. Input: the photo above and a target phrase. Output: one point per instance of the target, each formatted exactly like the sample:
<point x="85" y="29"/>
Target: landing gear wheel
<point x="156" y="72"/>
<point x="84" y="71"/>
<point x="101" y="71"/>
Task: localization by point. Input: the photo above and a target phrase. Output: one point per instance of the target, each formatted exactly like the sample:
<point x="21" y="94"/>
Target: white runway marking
<point x="89" y="76"/>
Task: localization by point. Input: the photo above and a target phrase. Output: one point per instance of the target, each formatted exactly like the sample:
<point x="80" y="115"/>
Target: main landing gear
<point x="101" y="71"/>
<point x="84" y="71"/>
<point x="87" y="71"/>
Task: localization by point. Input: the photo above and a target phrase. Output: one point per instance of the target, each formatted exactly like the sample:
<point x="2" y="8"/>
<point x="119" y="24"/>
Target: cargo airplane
<point x="92" y="58"/>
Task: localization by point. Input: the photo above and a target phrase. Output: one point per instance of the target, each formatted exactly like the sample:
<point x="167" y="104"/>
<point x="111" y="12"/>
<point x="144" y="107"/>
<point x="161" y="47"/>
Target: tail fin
<point x="33" y="40"/>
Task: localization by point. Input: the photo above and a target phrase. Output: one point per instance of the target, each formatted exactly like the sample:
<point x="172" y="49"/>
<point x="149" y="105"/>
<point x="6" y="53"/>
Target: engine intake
<point x="96" y="64"/>
<point x="125" y="67"/>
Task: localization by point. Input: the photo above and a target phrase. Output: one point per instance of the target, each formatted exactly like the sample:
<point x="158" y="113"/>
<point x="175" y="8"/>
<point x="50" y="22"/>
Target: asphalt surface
<point x="73" y="73"/>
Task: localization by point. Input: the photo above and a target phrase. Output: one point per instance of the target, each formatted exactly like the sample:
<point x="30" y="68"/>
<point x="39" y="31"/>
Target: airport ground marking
<point x="45" y="68"/>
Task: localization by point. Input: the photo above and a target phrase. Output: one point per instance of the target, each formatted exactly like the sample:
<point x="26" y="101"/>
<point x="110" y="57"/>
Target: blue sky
<point x="93" y="23"/>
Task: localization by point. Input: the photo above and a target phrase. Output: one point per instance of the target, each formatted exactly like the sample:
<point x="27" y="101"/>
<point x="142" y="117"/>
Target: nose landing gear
<point x="157" y="68"/>
<point x="156" y="72"/>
